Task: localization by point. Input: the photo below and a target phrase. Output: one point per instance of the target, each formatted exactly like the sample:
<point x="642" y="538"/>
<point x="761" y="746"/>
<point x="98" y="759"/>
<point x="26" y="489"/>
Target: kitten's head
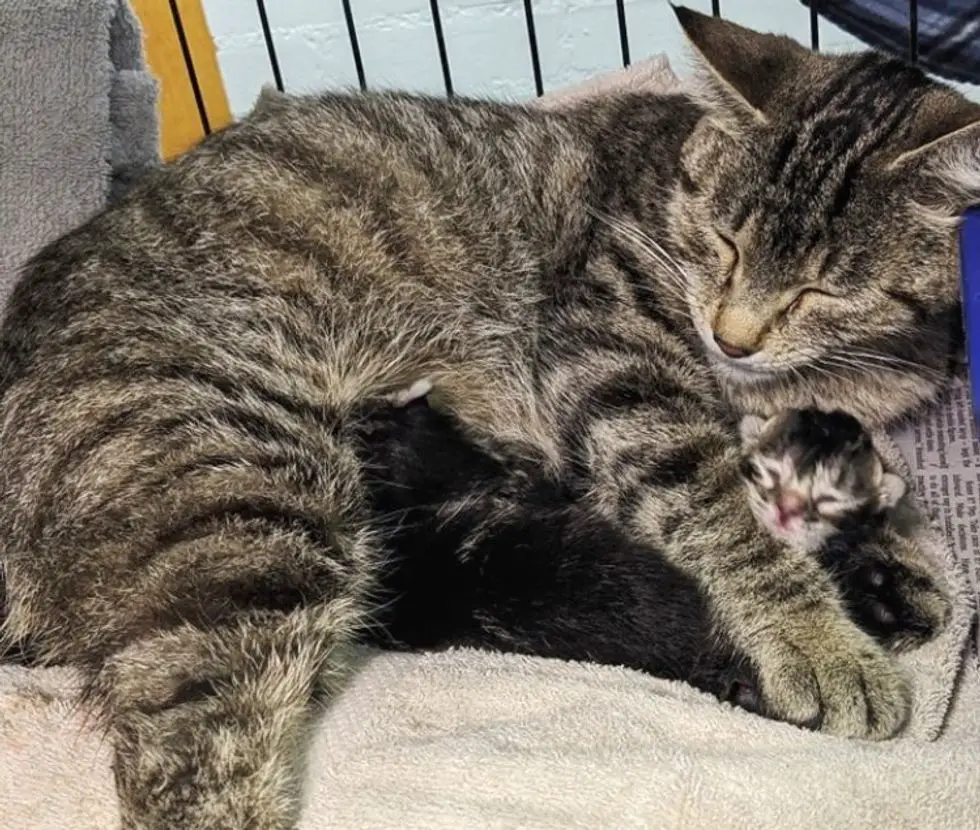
<point x="815" y="216"/>
<point x="809" y="472"/>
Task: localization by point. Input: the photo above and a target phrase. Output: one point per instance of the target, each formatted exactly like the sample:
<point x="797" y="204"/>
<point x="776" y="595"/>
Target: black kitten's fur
<point x="489" y="556"/>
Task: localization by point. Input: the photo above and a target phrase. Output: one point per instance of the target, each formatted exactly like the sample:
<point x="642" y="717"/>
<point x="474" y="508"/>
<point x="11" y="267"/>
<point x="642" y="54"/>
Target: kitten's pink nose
<point x="791" y="506"/>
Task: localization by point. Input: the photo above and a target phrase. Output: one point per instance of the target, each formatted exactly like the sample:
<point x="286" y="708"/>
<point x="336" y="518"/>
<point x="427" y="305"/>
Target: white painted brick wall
<point x="486" y="41"/>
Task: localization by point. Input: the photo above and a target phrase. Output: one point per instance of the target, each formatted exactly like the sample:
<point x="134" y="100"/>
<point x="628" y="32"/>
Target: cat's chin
<point x="757" y="389"/>
<point x="746" y="375"/>
<point x="745" y="372"/>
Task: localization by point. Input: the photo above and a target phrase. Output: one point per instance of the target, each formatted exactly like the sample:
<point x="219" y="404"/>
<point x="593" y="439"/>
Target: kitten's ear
<point x="750" y="428"/>
<point x="746" y="68"/>
<point x="891" y="490"/>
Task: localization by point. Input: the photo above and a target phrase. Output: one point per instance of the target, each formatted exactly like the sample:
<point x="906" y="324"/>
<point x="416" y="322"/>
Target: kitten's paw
<point x="743" y="690"/>
<point x="891" y="594"/>
<point x="419" y="389"/>
<point x="900" y="609"/>
<point x="822" y="672"/>
<point x="731" y="680"/>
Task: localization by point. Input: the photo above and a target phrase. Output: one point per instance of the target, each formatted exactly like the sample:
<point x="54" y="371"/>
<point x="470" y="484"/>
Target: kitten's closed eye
<point x="748" y="470"/>
<point x="830" y="505"/>
<point x="766" y="475"/>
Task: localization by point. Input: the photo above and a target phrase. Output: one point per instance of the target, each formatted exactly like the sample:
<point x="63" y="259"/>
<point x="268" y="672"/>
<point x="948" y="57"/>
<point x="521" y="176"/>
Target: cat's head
<point x="815" y="217"/>
<point x="809" y="472"/>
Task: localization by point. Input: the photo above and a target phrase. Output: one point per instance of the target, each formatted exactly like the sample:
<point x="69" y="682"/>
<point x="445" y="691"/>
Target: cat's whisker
<point x="871" y="362"/>
<point x="657" y="253"/>
<point x="846" y="351"/>
<point x="878" y="356"/>
<point x="802" y="379"/>
<point x="894" y="360"/>
<point x="663" y="289"/>
<point x="815" y="365"/>
<point x="649" y="246"/>
<point x="851" y="366"/>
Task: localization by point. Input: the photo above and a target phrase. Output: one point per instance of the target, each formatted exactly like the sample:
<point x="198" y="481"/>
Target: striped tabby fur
<point x="183" y="512"/>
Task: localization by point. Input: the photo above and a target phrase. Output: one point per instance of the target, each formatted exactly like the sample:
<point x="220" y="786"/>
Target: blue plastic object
<point x="970" y="290"/>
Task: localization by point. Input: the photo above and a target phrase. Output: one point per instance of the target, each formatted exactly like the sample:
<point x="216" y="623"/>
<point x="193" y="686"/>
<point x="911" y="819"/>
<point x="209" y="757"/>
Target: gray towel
<point x="77" y="118"/>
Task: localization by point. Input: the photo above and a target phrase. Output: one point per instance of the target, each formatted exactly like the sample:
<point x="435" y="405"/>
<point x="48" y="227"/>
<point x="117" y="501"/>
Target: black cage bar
<point x="816" y="9"/>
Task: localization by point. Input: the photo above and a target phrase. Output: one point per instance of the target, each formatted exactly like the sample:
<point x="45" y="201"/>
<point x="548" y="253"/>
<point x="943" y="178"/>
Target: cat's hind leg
<point x="209" y="704"/>
<point x="210" y="725"/>
<point x="209" y="611"/>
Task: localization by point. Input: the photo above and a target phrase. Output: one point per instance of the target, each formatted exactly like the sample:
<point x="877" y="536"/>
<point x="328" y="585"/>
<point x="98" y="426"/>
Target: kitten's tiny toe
<point x="731" y="680"/>
<point x="877" y="578"/>
<point x="874" y="604"/>
<point x="739" y="686"/>
<point x="746" y="697"/>
<point x="883" y="615"/>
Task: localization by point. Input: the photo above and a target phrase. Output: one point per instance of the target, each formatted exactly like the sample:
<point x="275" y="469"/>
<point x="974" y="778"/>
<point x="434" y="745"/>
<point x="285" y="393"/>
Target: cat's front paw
<point x="891" y="592"/>
<point x="820" y="671"/>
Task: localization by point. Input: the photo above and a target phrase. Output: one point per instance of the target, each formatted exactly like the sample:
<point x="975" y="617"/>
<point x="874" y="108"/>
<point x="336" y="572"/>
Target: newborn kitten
<point x="815" y="480"/>
<point x="811" y="475"/>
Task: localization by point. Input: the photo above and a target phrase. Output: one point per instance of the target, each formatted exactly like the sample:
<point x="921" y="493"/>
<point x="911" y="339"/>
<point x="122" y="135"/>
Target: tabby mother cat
<point x="605" y="288"/>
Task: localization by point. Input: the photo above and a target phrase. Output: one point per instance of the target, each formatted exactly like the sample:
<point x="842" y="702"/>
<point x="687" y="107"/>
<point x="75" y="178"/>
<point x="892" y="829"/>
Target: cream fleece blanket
<point x="465" y="740"/>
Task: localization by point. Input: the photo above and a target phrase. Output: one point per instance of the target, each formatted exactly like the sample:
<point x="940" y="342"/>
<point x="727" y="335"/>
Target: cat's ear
<point x="890" y="490"/>
<point x="943" y="142"/>
<point x="944" y="121"/>
<point x="750" y="428"/>
<point x="269" y="101"/>
<point x="745" y="68"/>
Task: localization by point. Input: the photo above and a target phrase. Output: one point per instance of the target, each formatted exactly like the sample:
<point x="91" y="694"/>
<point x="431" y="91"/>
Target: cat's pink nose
<point x="791" y="506"/>
<point x="732" y="350"/>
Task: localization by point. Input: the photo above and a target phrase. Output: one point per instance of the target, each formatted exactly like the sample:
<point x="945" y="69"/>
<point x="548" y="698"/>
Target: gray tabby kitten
<point x="815" y="480"/>
<point x="811" y="474"/>
<point x="182" y="511"/>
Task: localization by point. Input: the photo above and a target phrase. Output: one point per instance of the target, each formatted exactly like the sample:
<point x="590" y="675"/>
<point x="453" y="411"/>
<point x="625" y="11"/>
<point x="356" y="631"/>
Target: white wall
<point x="486" y="41"/>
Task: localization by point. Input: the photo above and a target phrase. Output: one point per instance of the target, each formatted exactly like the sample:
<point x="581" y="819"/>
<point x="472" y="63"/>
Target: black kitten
<point x="499" y="556"/>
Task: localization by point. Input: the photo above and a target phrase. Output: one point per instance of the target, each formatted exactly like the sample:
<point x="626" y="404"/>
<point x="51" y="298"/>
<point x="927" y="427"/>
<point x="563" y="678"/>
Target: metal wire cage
<point x="911" y="52"/>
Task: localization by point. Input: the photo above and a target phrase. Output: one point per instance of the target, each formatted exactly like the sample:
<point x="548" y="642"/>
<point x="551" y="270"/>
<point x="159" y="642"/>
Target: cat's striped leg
<point x="210" y="726"/>
<point x="209" y="712"/>
<point x="208" y="585"/>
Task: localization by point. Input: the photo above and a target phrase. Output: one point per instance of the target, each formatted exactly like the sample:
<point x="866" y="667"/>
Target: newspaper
<point x="943" y="453"/>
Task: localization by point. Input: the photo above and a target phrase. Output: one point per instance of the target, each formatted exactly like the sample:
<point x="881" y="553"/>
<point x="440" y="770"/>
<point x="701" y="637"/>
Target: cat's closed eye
<point x="805" y="295"/>
<point x="728" y="252"/>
